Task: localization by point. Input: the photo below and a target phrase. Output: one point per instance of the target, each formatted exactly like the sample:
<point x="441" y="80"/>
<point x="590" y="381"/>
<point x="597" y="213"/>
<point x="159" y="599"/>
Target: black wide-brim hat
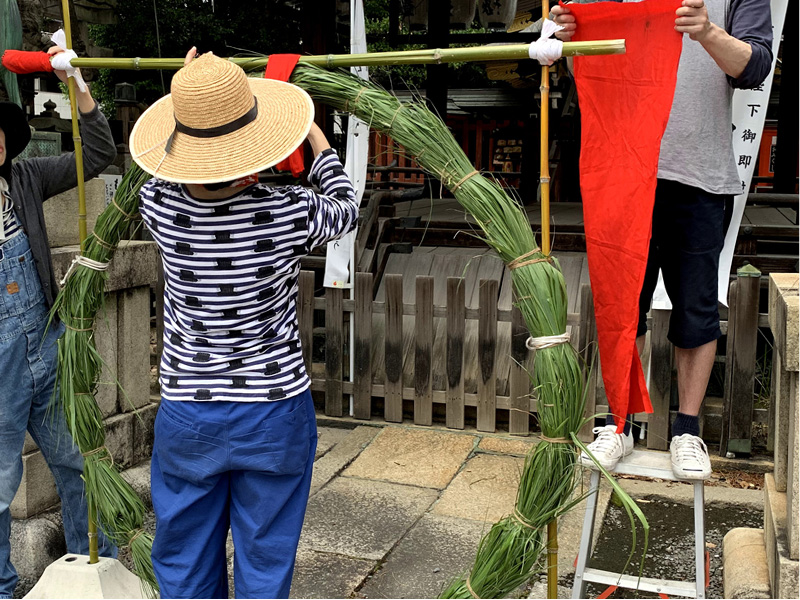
<point x="15" y="127"/>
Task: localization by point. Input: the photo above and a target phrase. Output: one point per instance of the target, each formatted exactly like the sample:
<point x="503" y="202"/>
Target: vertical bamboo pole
<point x="544" y="181"/>
<point x="76" y="138"/>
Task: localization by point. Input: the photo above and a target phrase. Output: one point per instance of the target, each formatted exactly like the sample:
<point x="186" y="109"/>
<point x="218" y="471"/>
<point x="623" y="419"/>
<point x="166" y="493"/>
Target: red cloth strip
<point x="22" y="63"/>
<point x="625" y="103"/>
<point x="280" y="67"/>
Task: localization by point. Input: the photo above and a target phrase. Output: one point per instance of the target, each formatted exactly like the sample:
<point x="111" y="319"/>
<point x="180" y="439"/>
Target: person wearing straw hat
<point x="727" y="44"/>
<point x="235" y="435"/>
<point x="28" y="349"/>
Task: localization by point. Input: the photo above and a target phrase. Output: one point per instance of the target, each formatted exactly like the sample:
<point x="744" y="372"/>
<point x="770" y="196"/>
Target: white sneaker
<point x="608" y="448"/>
<point x="689" y="457"/>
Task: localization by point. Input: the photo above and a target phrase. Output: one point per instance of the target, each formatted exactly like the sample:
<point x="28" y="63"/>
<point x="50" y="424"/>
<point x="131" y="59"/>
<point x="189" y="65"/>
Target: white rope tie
<point x="547" y="341"/>
<point x="95" y="265"/>
<point x="62" y="60"/>
<point x="546" y="49"/>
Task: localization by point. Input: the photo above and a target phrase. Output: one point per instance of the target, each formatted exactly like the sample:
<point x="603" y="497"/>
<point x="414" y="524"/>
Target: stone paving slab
<point x="677" y="491"/>
<point x="361" y="518"/>
<point x="323" y="575"/>
<point x="413" y="457"/>
<point x="427" y="559"/>
<point x="328" y="437"/>
<point x="506" y="446"/>
<point x="341" y="455"/>
<point x="484" y="490"/>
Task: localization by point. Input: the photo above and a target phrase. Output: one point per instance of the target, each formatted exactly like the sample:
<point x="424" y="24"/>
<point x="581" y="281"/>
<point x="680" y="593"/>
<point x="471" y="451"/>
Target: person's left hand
<point x="692" y="18"/>
<point x="62" y="75"/>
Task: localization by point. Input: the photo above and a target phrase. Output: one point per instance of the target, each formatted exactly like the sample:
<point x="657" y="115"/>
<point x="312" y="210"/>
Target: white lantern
<point x="497" y="14"/>
<point x="462" y="13"/>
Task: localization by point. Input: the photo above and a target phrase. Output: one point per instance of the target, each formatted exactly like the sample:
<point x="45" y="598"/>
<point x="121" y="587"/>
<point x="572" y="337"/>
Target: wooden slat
<point x="519" y="382"/>
<point x="660" y="381"/>
<point x="439" y="396"/>
<point x="455" y="353"/>
<point x="393" y="354"/>
<point x="423" y="349"/>
<point x="487" y="347"/>
<point x="362" y="357"/>
<point x="305" y="314"/>
<point x="737" y="416"/>
<point x="334" y="342"/>
<point x="587" y="338"/>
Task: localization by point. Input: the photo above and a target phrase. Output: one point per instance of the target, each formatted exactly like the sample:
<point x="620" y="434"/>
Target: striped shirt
<point x="231" y="268"/>
<point x="9" y="224"/>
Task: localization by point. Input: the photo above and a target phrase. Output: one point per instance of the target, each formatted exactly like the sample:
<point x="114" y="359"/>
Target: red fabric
<point x="280" y="67"/>
<point x="625" y="103"/>
<point x="22" y="63"/>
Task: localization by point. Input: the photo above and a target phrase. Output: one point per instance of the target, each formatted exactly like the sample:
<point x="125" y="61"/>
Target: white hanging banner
<point x="341" y="253"/>
<point x="749" y="112"/>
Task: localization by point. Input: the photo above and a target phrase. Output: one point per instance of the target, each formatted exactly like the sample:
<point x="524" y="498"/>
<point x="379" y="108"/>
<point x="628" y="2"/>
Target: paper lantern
<point x="497" y="14"/>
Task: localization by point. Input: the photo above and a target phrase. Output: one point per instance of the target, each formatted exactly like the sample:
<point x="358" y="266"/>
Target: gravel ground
<point x="671" y="551"/>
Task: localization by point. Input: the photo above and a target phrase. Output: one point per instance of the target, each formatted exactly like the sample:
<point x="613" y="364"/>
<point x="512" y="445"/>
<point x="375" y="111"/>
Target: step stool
<point x="654" y="465"/>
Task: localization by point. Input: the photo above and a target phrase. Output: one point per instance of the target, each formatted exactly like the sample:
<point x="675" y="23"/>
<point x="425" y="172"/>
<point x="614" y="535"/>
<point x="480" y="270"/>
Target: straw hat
<point x="218" y="124"/>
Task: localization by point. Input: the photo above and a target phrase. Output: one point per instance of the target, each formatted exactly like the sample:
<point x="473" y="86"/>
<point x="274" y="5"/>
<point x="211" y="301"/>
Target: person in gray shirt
<point x="727" y="44"/>
<point x="28" y="345"/>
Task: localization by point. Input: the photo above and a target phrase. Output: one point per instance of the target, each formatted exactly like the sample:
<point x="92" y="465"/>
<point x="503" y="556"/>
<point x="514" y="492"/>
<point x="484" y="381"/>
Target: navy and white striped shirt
<point x="231" y="269"/>
<point x="9" y="224"/>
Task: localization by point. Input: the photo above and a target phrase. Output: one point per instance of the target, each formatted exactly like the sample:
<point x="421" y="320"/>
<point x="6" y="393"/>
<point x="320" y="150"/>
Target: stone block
<point x="361" y="518"/>
<point x="72" y="576"/>
<point x="322" y="575"/>
<point x="139" y="479"/>
<point x="143" y="422"/>
<point x="783" y="316"/>
<point x="106" y="341"/>
<point x="793" y="466"/>
<point x="484" y="490"/>
<point x="341" y="455"/>
<point x="781" y="384"/>
<point x="61" y="213"/>
<point x="135" y="264"/>
<point x="35" y="543"/>
<point x="413" y="457"/>
<point x="783" y="571"/>
<point x="119" y="439"/>
<point x="433" y="553"/>
<point x="745" y="573"/>
<point x="37" y="491"/>
<point x="133" y="348"/>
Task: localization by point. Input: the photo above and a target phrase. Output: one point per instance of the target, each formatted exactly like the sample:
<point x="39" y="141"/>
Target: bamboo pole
<point x="76" y="138"/>
<point x="374" y="59"/>
<point x="544" y="182"/>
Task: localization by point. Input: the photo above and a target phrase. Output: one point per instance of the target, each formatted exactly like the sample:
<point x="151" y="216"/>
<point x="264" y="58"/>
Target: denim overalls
<point x="28" y="355"/>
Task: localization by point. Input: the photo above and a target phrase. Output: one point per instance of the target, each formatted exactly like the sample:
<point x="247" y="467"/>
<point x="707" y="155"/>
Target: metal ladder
<point x="654" y="465"/>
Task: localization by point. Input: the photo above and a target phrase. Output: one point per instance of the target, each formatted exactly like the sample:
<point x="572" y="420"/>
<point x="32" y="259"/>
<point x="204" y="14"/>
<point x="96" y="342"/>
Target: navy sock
<point x="686" y="424"/>
<point x="628" y="423"/>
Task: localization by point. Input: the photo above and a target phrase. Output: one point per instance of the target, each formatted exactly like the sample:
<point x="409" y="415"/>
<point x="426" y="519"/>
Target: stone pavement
<point x="398" y="511"/>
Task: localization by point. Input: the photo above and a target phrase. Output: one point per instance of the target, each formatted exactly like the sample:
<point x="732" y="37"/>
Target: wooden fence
<point x="503" y="393"/>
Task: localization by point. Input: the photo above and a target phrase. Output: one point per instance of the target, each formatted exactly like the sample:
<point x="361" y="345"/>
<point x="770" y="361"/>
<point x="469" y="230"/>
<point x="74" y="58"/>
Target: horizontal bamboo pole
<point x="373" y="59"/>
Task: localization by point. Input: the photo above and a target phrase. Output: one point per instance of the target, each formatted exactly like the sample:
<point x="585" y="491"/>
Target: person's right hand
<point x="562" y="16"/>
<point x="190" y="55"/>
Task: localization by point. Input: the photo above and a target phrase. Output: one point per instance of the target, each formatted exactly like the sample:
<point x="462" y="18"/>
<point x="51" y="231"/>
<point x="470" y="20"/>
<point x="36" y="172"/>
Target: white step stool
<point x="654" y="465"/>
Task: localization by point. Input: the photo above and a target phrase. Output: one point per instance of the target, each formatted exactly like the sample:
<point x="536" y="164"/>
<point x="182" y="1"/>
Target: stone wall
<point x="122" y="336"/>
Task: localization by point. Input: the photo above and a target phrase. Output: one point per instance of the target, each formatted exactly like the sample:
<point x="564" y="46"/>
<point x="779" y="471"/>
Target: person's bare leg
<point x="640" y="344"/>
<point x="694" y="369"/>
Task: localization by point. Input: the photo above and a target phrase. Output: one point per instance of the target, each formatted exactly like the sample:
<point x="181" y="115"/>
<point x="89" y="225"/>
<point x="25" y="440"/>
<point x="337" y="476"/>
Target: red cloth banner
<point x="22" y="63"/>
<point x="625" y="101"/>
<point x="280" y="67"/>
